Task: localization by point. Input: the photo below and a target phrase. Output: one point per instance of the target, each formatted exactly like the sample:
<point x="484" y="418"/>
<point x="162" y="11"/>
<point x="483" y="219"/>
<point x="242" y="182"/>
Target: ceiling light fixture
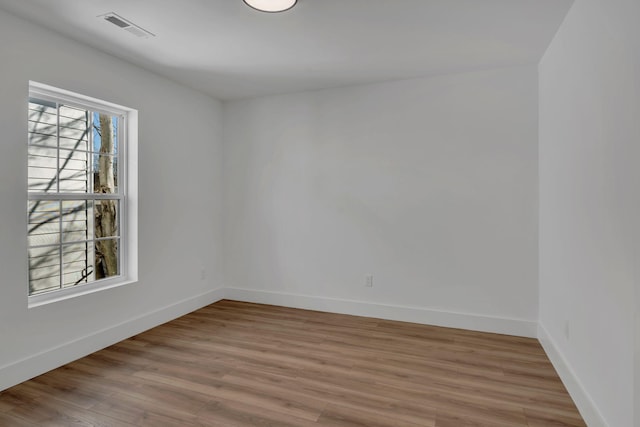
<point x="271" y="5"/>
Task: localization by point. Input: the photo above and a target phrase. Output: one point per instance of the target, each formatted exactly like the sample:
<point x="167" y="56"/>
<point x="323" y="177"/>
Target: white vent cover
<point x="126" y="25"/>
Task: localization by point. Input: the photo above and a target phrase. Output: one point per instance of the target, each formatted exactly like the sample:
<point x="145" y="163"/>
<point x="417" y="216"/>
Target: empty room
<point x="320" y="213"/>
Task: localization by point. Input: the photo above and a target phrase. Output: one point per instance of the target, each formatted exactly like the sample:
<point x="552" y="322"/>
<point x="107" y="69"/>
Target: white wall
<point x="428" y="184"/>
<point x="179" y="202"/>
<point x="589" y="152"/>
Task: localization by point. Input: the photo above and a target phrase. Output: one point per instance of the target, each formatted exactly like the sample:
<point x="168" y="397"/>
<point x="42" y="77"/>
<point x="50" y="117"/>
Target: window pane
<point x="44" y="222"/>
<point x="38" y="107"/>
<point x="72" y="185"/>
<point x="73" y="160"/>
<point x="106" y="218"/>
<point x="73" y="113"/>
<point x="42" y="161"/>
<point x="78" y="264"/>
<point x="43" y="211"/>
<point x="75" y="252"/>
<point x="47" y="140"/>
<point x="45" y="234"/>
<point x="105" y="177"/>
<point x="46" y="128"/>
<point x="43" y="120"/>
<point x="42" y="169"/>
<point x="44" y="269"/>
<point x="105" y="159"/>
<point x="107" y="259"/>
<point x="70" y="143"/>
<point x="78" y="136"/>
<point x="76" y="220"/>
<point x="74" y="172"/>
<point x="80" y="121"/>
<point x="105" y="141"/>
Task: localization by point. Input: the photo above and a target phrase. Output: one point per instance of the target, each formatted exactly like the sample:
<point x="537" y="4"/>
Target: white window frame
<point x="127" y="187"/>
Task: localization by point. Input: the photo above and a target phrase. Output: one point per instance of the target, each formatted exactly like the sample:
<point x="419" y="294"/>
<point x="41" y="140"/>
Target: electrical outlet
<point x="369" y="281"/>
<point x="203" y="274"/>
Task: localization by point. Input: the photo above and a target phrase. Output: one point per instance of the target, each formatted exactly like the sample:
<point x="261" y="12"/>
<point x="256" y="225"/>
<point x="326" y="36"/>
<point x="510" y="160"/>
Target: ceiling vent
<point x="126" y="25"/>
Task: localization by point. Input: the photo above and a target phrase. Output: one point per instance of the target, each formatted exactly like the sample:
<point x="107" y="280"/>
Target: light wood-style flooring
<point x="240" y="364"/>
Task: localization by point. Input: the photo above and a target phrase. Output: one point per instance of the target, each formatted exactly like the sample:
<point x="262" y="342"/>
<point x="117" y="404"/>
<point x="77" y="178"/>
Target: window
<point x="79" y="194"/>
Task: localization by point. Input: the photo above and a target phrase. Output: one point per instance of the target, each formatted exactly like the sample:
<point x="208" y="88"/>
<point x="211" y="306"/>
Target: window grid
<point x="89" y="197"/>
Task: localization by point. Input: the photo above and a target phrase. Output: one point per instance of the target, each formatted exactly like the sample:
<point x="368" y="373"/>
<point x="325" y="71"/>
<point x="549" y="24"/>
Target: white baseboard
<point x="474" y="322"/>
<point x="37" y="364"/>
<point x="581" y="398"/>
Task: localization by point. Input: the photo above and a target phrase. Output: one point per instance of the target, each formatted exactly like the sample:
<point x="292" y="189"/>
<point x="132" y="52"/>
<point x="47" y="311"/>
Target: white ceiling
<point x="226" y="49"/>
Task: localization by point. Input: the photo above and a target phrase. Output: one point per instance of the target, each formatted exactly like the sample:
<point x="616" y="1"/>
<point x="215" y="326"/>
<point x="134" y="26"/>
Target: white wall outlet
<point x="203" y="273"/>
<point x="368" y="282"/>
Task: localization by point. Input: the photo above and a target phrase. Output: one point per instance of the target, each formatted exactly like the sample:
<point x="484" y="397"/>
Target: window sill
<point x="69" y="293"/>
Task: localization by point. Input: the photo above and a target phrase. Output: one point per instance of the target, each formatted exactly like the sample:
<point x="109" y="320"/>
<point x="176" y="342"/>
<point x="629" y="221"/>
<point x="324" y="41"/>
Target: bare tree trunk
<point x="106" y="221"/>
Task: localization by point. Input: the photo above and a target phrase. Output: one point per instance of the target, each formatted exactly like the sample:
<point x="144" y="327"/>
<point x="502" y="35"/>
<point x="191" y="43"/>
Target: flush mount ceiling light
<point x="271" y="5"/>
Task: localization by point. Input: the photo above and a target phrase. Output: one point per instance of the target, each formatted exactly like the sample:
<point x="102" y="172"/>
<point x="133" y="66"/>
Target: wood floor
<point x="239" y="364"/>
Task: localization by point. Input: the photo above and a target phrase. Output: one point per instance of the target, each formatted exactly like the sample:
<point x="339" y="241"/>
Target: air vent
<point x="119" y="22"/>
<point x="126" y="25"/>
